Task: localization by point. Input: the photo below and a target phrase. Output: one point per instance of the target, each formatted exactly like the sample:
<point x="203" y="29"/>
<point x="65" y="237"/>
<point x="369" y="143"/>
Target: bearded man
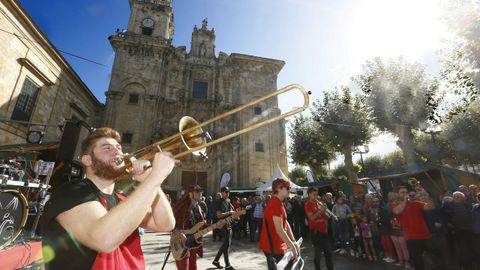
<point x="86" y="225"/>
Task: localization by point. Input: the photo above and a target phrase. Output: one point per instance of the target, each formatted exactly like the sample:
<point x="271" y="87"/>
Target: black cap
<point x="224" y="189"/>
<point x="195" y="188"/>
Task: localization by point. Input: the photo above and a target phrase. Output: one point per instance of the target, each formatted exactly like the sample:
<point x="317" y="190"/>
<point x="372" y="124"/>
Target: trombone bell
<point x="194" y="138"/>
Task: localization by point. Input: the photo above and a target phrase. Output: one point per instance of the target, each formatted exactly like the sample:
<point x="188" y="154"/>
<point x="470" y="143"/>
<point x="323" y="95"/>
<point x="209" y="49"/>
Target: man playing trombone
<point x="318" y="215"/>
<point x="86" y="225"/>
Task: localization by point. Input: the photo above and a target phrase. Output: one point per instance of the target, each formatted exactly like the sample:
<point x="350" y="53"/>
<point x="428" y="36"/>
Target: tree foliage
<point x="459" y="76"/>
<point x="344" y="121"/>
<point x="434" y="149"/>
<point x="462" y="131"/>
<point x="308" y="146"/>
<point x="298" y="175"/>
<point x="396" y="92"/>
<point x="377" y="164"/>
<point x="341" y="172"/>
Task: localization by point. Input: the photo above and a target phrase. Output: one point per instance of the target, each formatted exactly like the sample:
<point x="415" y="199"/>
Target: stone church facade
<point x="154" y="84"/>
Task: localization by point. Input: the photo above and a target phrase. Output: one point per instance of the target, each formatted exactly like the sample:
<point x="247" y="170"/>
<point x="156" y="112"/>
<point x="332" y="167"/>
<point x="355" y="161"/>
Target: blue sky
<point x="323" y="42"/>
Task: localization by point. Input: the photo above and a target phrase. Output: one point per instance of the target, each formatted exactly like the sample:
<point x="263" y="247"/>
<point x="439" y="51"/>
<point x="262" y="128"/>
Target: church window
<point x="147" y="31"/>
<point x="257" y="110"/>
<point x="127" y="138"/>
<point x="133" y="99"/>
<point x="258" y="147"/>
<point x="200" y="90"/>
<point x="25" y="101"/>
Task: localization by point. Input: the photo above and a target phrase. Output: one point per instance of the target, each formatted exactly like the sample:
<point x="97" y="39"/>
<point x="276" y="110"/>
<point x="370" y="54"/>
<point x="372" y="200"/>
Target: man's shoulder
<point x="275" y="204"/>
<point x="69" y="195"/>
<point x="76" y="189"/>
<point x="221" y="205"/>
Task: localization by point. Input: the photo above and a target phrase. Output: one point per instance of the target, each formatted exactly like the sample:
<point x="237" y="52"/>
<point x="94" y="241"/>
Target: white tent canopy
<point x="277" y="174"/>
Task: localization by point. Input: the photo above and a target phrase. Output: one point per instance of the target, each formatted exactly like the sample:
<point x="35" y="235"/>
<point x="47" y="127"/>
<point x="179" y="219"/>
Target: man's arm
<point x="289" y="233"/>
<point x="425" y="197"/>
<point x="314" y="215"/>
<point x="400" y="207"/>
<point x="277" y="222"/>
<point x="160" y="215"/>
<point x="222" y="215"/>
<point x="103" y="231"/>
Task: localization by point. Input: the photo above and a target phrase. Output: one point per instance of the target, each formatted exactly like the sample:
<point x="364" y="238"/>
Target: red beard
<point x="105" y="170"/>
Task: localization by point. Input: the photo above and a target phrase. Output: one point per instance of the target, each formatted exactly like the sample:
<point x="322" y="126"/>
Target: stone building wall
<point x="27" y="55"/>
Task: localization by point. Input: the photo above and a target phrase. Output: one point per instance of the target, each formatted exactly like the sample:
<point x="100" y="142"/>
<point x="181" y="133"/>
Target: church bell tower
<point x="151" y="18"/>
<point x="139" y="71"/>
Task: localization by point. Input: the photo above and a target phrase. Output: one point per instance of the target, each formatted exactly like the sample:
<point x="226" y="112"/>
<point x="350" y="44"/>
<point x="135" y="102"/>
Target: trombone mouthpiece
<point x="119" y="160"/>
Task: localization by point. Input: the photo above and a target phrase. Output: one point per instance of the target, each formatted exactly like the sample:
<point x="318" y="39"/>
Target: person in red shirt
<point x="276" y="234"/>
<point x="410" y="214"/>
<point x="317" y="223"/>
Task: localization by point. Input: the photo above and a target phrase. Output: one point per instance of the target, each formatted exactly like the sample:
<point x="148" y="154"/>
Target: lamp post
<point x="362" y="150"/>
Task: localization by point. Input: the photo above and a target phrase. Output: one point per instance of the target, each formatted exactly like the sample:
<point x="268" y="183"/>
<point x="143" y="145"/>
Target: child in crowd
<point x="357" y="246"/>
<point x="400" y="244"/>
<point x="367" y="239"/>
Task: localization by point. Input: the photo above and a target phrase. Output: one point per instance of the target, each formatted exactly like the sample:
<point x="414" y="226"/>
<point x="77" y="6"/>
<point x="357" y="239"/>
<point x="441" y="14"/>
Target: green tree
<point x="372" y="165"/>
<point x="396" y="92"/>
<point x="298" y="175"/>
<point x="341" y="172"/>
<point x="394" y="160"/>
<point x="345" y="123"/>
<point x="308" y="146"/>
<point x="462" y="17"/>
<point x="378" y="164"/>
<point x="461" y="59"/>
<point x="434" y="148"/>
<point x="463" y="131"/>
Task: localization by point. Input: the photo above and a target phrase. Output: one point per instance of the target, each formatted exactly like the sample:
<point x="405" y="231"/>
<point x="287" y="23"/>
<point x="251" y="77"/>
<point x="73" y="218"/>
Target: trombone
<point x="193" y="137"/>
<point x="414" y="183"/>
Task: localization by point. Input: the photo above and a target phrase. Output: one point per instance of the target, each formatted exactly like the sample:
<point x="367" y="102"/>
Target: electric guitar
<point x="181" y="243"/>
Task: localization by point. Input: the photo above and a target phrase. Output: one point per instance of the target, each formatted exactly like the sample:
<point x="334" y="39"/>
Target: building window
<point x="26" y="101"/>
<point x="147" y="31"/>
<point x="257" y="110"/>
<point x="258" y="147"/>
<point x="127" y="138"/>
<point x="133" y="98"/>
<point x="200" y="90"/>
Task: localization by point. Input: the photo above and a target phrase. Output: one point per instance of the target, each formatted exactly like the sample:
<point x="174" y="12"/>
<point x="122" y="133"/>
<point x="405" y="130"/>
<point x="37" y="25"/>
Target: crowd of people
<point x="406" y="228"/>
<point x="84" y="225"/>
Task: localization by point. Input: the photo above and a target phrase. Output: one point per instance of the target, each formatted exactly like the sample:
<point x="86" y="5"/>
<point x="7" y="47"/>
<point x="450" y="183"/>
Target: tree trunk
<point x="406" y="144"/>
<point x="347" y="153"/>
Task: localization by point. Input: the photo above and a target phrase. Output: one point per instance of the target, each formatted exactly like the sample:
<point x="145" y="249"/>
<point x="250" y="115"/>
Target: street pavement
<point x="244" y="255"/>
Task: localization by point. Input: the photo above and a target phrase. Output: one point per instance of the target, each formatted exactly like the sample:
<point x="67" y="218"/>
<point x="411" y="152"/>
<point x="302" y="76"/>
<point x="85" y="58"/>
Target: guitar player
<point x="188" y="213"/>
<point x="224" y="210"/>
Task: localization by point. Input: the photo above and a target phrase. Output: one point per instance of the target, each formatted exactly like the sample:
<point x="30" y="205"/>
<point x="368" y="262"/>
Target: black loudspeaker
<point x="70" y="145"/>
